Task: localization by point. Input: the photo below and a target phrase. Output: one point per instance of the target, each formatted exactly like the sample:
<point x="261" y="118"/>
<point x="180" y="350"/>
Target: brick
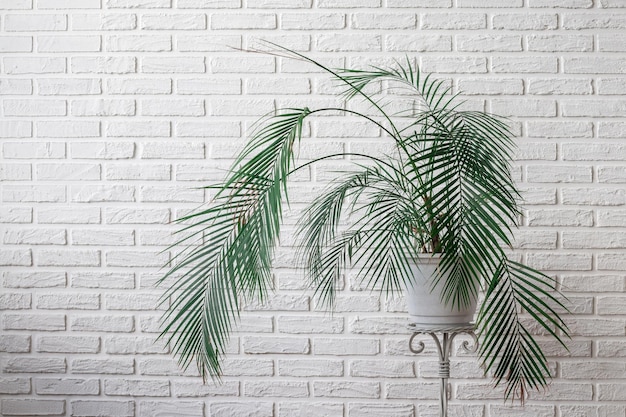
<point x="69" y="129"/>
<point x="349" y="42"/>
<point x="103" y="65"/>
<point x="560" y="261"/>
<point x="610" y="174"/>
<point x="33" y="407"/>
<point x="525" y="21"/>
<point x="102" y="323"/>
<point x="282" y="345"/>
<point x="204" y="43"/>
<point x="173" y="22"/>
<point x="103" y="366"/>
<point x="489" y="43"/>
<point x="34" y="365"/>
<point x="382" y="369"/>
<point x="34" y="279"/>
<point x="9" y="301"/>
<point x="215" y="86"/>
<point x="248" y="367"/>
<point x="34" y="65"/>
<point x="17" y="257"/>
<point x="14" y="385"/>
<point x="243" y="21"/>
<point x="172" y="108"/>
<point x="72" y="215"/>
<point x="16" y="215"/>
<point x="102" y="150"/>
<point x="17" y="5"/>
<point x="133" y="345"/>
<point x="601" y="196"/>
<point x="282" y="4"/>
<point x="10" y="44"/>
<point x="35" y="237"/>
<point x="68" y="344"/>
<point x="102" y="193"/>
<point x="453" y="21"/>
<point x="103" y="21"/>
<point x="592" y="20"/>
<point x="312" y="21"/>
<point x="132" y="4"/>
<point x="133" y="302"/>
<point x="611" y="129"/>
<point x="586" y="108"/>
<point x="63" y="43"/>
<point x="103" y="238"/>
<point x="310" y="409"/>
<point x="33" y="150"/>
<point x="15" y="172"/>
<point x="592" y="283"/>
<point x="514" y="64"/>
<point x="16" y="86"/>
<point x="560" y="217"/>
<point x="524" y="108"/>
<point x="346" y="389"/>
<point x="456" y="64"/>
<point x="559" y="173"/>
<point x="171" y="194"/>
<point x="138" y="129"/>
<point x="69" y="4"/>
<point x="595" y="327"/>
<point x="383" y="21"/>
<point x="559" y="129"/>
<point x="608" y="218"/>
<point x="380" y="410"/>
<point x="90" y="408"/>
<point x="611" y="86"/>
<point x="14" y="129"/>
<point x="12" y="343"/>
<point x="610" y="43"/>
<point x="377" y="325"/>
<point x="567" y="4"/>
<point x="76" y="301"/>
<point x="248" y="409"/>
<point x="206" y="129"/>
<point x="102" y="108"/>
<point x="30" y="108"/>
<point x="67" y="172"/>
<point x="136" y="258"/>
<point x="560" y="43"/>
<point x="137" y="216"/>
<point x="179" y="408"/>
<point x="420" y="42"/>
<point x="309" y="325"/>
<point x="593" y="65"/>
<point x="281" y="389"/>
<point x="139" y="43"/>
<point x="66" y="386"/>
<point x="552" y="86"/>
<point x="136" y="388"/>
<point x="310" y="368"/>
<point x="243" y="64"/>
<point x="139" y="86"/>
<point x="610" y="262"/>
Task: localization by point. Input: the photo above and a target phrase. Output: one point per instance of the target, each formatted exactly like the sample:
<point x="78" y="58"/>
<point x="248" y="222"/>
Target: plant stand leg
<point x="444" y="347"/>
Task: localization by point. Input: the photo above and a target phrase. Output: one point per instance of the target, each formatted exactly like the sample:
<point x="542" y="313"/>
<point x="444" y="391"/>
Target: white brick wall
<point x="114" y="111"/>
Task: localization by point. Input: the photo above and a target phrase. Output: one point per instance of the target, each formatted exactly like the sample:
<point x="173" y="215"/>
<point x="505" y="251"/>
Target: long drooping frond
<point x="447" y="189"/>
<point x="241" y="229"/>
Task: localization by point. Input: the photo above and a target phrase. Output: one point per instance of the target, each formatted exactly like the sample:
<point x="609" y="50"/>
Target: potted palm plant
<point x="443" y="195"/>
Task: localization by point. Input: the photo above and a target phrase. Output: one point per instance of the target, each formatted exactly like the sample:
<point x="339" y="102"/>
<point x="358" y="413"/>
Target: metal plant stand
<point x="444" y="346"/>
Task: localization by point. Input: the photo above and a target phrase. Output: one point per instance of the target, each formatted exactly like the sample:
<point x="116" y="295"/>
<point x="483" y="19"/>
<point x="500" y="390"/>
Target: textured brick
<point x="116" y="112"/>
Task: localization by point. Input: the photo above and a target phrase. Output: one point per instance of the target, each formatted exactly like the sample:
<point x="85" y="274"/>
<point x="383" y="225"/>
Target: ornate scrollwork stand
<point x="444" y="346"/>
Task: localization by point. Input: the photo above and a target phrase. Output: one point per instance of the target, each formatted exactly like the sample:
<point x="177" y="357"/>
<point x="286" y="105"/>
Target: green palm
<point x="447" y="189"/>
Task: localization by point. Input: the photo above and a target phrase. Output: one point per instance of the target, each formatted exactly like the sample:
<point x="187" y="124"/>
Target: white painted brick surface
<point x="114" y="112"/>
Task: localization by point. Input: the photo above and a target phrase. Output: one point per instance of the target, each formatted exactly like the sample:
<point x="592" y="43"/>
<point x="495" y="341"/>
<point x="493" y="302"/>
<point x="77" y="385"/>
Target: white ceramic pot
<point x="426" y="309"/>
